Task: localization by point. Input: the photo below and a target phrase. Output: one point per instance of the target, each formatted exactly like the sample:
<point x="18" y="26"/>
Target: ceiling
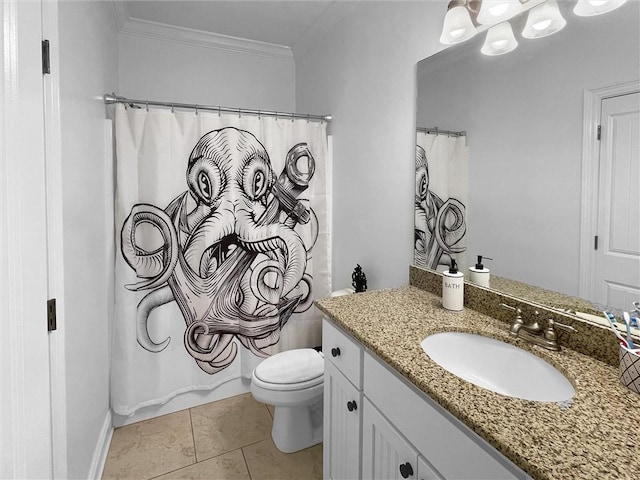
<point x="277" y="22"/>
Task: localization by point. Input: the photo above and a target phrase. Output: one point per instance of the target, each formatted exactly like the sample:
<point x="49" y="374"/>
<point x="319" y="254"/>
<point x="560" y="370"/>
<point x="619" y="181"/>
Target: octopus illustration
<point x="231" y="255"/>
<point x="439" y="225"/>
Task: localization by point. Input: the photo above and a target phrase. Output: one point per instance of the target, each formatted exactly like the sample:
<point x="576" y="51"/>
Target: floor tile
<point x="150" y="448"/>
<point x="229" y="424"/>
<point x="265" y="461"/>
<point x="229" y="466"/>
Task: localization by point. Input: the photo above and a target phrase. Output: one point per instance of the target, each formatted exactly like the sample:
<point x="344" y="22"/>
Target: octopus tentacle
<point x="152" y="300"/>
<point x="155" y="266"/>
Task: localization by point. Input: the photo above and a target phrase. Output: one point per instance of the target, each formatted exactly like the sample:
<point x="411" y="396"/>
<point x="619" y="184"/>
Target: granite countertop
<point x="595" y="438"/>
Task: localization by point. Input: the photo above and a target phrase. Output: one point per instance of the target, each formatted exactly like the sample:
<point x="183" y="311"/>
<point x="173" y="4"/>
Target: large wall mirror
<point x="524" y="116"/>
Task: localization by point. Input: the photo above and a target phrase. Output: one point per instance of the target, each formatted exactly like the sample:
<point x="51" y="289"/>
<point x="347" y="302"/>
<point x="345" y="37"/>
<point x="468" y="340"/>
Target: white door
<point x="25" y="404"/>
<point x="617" y="264"/>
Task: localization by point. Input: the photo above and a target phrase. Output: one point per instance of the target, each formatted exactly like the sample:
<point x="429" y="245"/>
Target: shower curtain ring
<point x="259" y="114"/>
<point x="147" y="106"/>
<point x="292" y="117"/>
<point x="218" y="111"/>
<point x="196" y="109"/>
<point x="172" y="108"/>
<point x="308" y="117"/>
<point x="239" y="114"/>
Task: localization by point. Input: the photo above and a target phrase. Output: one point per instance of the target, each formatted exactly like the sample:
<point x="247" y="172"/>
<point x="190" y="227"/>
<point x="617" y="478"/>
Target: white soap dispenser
<point x="453" y="288"/>
<point x="478" y="274"/>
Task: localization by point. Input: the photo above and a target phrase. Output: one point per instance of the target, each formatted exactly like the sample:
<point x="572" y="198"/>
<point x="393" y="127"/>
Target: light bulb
<point x="496" y="11"/>
<point x="499" y="44"/>
<point x="543" y="20"/>
<point x="541" y="25"/>
<point x="587" y="8"/>
<point x="499" y="40"/>
<point x="457" y="26"/>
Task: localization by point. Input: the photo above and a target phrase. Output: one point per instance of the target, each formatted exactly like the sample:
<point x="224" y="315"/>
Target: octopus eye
<point x="204" y="185"/>
<point x="421" y="185"/>
<point x="256" y="180"/>
<point x="259" y="182"/>
<point x="205" y="182"/>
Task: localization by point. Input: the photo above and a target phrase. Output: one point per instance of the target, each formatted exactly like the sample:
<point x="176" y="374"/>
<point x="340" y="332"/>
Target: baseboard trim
<point x="102" y="448"/>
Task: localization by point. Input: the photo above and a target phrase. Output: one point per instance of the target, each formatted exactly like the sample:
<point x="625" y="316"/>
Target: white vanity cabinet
<point x="401" y="432"/>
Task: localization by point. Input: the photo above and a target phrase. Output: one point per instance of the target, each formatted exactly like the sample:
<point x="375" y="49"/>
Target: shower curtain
<point x="440" y="201"/>
<point x="222" y="232"/>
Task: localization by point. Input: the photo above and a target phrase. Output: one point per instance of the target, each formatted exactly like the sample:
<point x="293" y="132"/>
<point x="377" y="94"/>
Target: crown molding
<point x="128" y="25"/>
<point x="120" y="12"/>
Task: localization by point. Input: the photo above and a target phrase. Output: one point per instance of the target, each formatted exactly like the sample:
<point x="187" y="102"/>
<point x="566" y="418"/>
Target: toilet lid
<point x="292" y="366"/>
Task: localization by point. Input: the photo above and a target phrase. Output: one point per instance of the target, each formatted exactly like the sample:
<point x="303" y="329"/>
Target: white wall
<point x="88" y="68"/>
<point x="523" y="114"/>
<point x="361" y="68"/>
<point x="158" y="69"/>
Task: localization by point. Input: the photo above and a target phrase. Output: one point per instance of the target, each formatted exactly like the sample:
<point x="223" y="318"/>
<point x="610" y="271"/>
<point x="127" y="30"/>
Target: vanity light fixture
<point x="588" y="8"/>
<point x="499" y="40"/>
<point x="544" y="20"/>
<point x="495" y="11"/>
<point x="465" y="18"/>
<point x="458" y="25"/>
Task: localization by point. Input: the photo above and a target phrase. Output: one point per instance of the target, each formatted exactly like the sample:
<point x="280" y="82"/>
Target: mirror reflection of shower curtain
<point x="222" y="229"/>
<point x="440" y="201"/>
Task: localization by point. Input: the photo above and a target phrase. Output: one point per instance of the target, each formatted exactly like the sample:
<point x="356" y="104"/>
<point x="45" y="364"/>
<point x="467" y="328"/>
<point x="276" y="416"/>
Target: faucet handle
<point x="550" y="332"/>
<point x="515" y="309"/>
<point x="561" y="326"/>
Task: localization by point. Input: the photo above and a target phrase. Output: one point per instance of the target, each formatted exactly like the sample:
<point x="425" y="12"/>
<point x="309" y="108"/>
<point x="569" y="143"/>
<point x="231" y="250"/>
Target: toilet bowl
<point x="292" y="381"/>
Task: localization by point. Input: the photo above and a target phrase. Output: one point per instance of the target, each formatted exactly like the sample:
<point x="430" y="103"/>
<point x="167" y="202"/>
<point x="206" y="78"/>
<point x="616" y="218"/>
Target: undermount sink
<point x="498" y="366"/>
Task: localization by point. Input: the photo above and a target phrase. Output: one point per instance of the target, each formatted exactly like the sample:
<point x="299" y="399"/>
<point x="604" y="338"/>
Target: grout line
<point x="246" y="463"/>
<point x="193" y="438"/>
<point x="171" y="471"/>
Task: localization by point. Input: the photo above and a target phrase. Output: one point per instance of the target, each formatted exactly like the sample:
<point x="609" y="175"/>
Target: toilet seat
<point x="291" y="370"/>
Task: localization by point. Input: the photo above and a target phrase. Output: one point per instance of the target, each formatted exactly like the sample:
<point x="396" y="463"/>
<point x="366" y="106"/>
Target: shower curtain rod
<point x="111" y="98"/>
<point x="437" y="131"/>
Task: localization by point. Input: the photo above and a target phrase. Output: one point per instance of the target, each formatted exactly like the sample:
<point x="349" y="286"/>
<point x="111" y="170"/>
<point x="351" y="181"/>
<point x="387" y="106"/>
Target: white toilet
<point x="293" y="382"/>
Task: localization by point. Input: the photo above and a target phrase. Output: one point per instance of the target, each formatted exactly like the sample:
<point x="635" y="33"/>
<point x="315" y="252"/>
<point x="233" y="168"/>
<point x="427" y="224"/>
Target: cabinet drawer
<point x="342" y="351"/>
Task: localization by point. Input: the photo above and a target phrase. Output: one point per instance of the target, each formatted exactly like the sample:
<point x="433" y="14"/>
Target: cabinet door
<point x="385" y="452"/>
<point x="426" y="470"/>
<point x="342" y="421"/>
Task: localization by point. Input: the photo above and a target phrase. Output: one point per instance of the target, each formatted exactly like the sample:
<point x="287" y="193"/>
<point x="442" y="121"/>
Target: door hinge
<point x="595" y="242"/>
<point x="51" y="314"/>
<point x="599" y="132"/>
<point x="46" y="59"/>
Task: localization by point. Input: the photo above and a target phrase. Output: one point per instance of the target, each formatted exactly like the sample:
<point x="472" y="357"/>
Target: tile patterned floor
<point x="228" y="439"/>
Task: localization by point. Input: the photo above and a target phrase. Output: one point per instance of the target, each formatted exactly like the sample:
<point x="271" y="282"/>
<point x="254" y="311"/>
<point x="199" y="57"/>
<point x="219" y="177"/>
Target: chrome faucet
<point x="534" y="332"/>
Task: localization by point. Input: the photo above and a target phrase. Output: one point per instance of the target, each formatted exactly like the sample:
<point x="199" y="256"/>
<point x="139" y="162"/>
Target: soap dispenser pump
<point x="453" y="288"/>
<point x="478" y="274"/>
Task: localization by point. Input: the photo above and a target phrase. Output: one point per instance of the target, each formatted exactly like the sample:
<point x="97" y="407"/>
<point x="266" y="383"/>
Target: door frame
<point x="26" y="435"/>
<point x="592" y="109"/>
<point x="55" y="238"/>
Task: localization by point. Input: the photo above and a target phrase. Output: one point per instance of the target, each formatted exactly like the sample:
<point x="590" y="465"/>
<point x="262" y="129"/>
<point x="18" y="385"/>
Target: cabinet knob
<point x="351" y="406"/>
<point x="406" y="470"/>
<point x="335" y="351"/>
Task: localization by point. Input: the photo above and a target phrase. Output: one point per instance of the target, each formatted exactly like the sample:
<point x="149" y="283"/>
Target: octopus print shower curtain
<point x="223" y="243"/>
<point x="440" y="223"/>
